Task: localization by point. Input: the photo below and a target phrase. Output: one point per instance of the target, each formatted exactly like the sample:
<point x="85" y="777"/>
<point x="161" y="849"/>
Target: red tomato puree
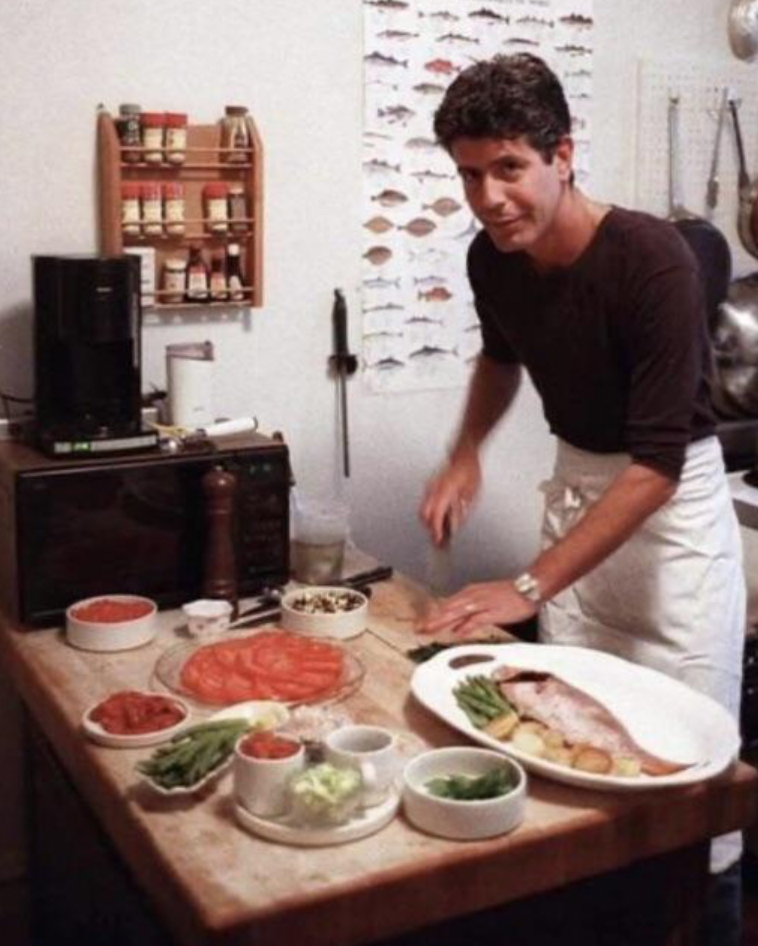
<point x="128" y="713"/>
<point x="265" y="745"/>
<point x="110" y="611"/>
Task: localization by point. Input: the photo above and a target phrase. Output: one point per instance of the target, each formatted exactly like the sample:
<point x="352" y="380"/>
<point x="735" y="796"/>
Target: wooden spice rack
<point x="204" y="162"/>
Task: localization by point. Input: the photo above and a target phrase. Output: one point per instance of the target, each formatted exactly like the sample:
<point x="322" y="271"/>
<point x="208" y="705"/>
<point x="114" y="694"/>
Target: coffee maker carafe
<point x="87" y="353"/>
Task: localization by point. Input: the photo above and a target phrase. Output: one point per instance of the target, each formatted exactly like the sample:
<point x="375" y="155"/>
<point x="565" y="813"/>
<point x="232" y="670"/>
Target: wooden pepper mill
<point x="220" y="567"/>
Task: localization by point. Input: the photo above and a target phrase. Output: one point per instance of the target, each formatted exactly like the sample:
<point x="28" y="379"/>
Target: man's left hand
<point x="489" y="602"/>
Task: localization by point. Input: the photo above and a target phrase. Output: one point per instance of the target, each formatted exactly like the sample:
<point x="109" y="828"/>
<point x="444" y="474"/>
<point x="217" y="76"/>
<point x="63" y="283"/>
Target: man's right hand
<point x="449" y="495"/>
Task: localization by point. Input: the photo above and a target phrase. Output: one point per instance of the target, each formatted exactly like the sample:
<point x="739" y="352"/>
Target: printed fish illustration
<point x="387" y="4"/>
<point x="441" y="15"/>
<point x="419" y="227"/>
<point x="474" y="327"/>
<point x="520" y="41"/>
<point x="533" y="21"/>
<point x="427" y="351"/>
<point x="378" y="224"/>
<point x="379" y="59"/>
<point x="380" y="282"/>
<point x="390" y="198"/>
<point x="383" y="82"/>
<point x="444" y="206"/>
<point x="383" y="333"/>
<point x="376" y="165"/>
<point x="579" y="74"/>
<point x="429" y="88"/>
<point x="396" y="113"/>
<point x="402" y="35"/>
<point x="387" y="307"/>
<point x="573" y="49"/>
<point x="432" y="175"/>
<point x="469" y="232"/>
<point x="578" y="20"/>
<point x="422" y="144"/>
<point x="484" y="13"/>
<point x="423" y="320"/>
<point x="377" y="255"/>
<point x="457" y="38"/>
<point x="429" y="280"/>
<point x="437" y="294"/>
<point x="388" y="364"/>
<point x="377" y="134"/>
<point x="442" y="66"/>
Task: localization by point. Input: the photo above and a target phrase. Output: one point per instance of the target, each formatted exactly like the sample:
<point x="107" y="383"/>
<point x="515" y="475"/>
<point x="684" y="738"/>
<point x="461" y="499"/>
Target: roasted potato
<point x="527" y="740"/>
<point x="589" y="759"/>
<point x="502" y="726"/>
<point x="626" y="766"/>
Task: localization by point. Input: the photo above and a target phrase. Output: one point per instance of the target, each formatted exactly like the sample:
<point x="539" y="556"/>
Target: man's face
<point x="511" y="189"/>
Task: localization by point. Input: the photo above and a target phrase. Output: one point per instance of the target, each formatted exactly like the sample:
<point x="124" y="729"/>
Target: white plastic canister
<point x="189" y="372"/>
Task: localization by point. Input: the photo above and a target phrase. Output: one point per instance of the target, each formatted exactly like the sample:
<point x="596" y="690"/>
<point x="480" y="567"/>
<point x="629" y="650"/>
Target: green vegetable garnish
<point x="481" y="700"/>
<point x="492" y="784"/>
<point x="325" y="793"/>
<point x="193" y="753"/>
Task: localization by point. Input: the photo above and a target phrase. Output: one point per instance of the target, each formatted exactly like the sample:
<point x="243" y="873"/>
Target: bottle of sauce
<point x="234" y="278"/>
<point x="176" y="137"/>
<point x="153" y="127"/>
<point x="235" y="135"/>
<point x="197" y="276"/>
<point x="218" y="288"/>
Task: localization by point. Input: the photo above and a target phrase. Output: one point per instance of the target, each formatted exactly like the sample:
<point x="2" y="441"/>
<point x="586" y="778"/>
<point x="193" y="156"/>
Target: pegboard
<point x="699" y="87"/>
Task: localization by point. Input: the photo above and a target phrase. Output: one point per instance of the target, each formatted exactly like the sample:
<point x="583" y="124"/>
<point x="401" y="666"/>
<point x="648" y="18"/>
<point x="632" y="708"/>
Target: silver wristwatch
<point x="528" y="586"/>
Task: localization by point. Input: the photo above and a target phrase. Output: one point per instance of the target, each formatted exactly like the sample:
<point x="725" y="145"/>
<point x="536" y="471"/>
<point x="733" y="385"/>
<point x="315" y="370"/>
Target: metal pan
<point x="747" y="220"/>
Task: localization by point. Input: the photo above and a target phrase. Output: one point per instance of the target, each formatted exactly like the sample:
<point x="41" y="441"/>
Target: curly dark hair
<point x="505" y="97"/>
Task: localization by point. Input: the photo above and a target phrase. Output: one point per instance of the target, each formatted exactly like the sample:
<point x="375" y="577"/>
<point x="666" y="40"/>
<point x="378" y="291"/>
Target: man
<point x="604" y="307"/>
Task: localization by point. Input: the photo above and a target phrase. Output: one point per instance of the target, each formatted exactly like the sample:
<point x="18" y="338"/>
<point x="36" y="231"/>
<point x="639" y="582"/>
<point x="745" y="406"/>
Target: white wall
<point x="298" y="67"/>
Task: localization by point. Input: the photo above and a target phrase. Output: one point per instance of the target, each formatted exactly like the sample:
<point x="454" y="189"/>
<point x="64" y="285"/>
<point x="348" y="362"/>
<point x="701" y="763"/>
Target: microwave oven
<point x="73" y="529"/>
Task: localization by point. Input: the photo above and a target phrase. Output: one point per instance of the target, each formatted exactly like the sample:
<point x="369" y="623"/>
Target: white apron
<point x="672" y="597"/>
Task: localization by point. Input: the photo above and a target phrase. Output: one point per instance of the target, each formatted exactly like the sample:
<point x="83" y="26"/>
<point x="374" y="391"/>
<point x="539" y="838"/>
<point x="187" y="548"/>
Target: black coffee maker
<point x="87" y="355"/>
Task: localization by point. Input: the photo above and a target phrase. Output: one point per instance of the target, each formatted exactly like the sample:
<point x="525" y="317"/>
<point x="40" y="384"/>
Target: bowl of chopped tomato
<point x="111" y="622"/>
<point x="134" y="718"/>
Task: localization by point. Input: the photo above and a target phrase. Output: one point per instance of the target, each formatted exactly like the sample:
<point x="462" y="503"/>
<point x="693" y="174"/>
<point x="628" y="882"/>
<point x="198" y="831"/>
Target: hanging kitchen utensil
<point x="708" y="243"/>
<point x="747" y="221"/>
<point x="743" y="28"/>
<point x="343" y="364"/>
<point x="712" y="191"/>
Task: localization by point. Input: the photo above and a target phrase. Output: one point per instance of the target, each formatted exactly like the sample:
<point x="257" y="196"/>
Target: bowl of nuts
<point x="325" y="611"/>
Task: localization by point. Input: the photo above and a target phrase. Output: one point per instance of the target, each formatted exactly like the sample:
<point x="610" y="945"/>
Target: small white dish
<point x="260" y="784"/>
<point x="207" y="616"/>
<point x="180" y="790"/>
<point x="341" y="624"/>
<point x="102" y="737"/>
<point x="364" y="822"/>
<point x="108" y="636"/>
<point x="452" y="818"/>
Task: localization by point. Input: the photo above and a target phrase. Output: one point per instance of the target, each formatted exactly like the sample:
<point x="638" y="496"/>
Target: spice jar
<point x="174" y="280"/>
<point x="153" y="127"/>
<point x="234" y="279"/>
<point x="215" y="200"/>
<point x="237" y="209"/>
<point x="235" y="135"/>
<point x="173" y="207"/>
<point x="152" y="209"/>
<point x="197" y="276"/>
<point x="219" y="290"/>
<point x="130" y="209"/>
<point x="175" y="143"/>
<point x="129" y="132"/>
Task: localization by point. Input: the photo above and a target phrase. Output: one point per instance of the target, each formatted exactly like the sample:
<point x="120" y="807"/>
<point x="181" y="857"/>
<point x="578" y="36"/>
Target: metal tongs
<point x="712" y="192"/>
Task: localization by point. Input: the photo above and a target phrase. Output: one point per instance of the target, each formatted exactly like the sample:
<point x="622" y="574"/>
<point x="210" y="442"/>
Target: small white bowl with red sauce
<point x="111" y="622"/>
<point x="132" y="719"/>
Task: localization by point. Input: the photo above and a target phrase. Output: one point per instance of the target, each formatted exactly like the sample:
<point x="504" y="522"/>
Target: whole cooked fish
<point x="579" y="718"/>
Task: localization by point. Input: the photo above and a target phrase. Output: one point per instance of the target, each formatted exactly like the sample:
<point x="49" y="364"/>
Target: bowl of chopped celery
<point x="464" y="793"/>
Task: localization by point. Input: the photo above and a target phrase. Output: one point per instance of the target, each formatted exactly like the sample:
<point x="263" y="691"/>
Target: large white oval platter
<point x="662" y="715"/>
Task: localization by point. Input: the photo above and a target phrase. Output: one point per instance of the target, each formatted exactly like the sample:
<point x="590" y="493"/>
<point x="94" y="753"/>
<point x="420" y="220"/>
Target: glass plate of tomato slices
<point x="264" y="665"/>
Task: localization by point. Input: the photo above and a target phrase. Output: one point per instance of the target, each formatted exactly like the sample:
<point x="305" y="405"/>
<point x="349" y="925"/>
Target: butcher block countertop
<point x="210" y="882"/>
